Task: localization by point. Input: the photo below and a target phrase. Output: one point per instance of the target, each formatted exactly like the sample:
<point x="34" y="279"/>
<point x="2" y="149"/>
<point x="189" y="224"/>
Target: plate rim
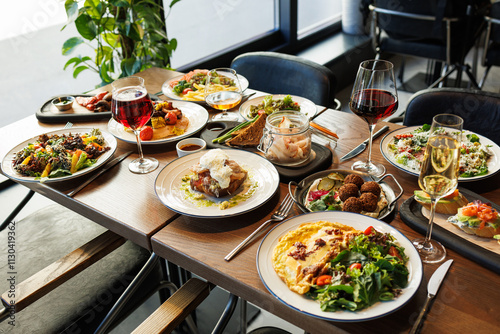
<point x="249" y="102"/>
<point x="385" y="154"/>
<point x="108" y="137"/>
<point x="270" y="166"/>
<point x="417" y="272"/>
<point x="168" y="139"/>
<point x="165" y="88"/>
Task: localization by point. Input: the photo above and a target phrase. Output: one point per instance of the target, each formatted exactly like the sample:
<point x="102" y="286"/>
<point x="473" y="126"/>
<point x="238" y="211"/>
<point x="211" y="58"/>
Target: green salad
<point x="372" y="269"/>
<point x="270" y="105"/>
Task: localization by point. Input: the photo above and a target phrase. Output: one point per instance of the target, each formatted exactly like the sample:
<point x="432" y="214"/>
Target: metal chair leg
<point x="120" y="303"/>
<point x="226" y="315"/>
<point x="18" y="208"/>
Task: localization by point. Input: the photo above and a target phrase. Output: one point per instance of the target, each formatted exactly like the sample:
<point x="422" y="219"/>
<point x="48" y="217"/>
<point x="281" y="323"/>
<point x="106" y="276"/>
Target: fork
<point x="68" y="125"/>
<point x="279" y="215"/>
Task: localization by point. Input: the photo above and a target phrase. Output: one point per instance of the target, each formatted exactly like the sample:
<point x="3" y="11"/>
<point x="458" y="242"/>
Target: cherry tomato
<point x="186" y="90"/>
<point x="146" y="133"/>
<point x="171" y="118"/>
<point x="394" y="252"/>
<point x="369" y="230"/>
<point x="323" y="280"/>
<point x="260" y="112"/>
<point x="356" y="265"/>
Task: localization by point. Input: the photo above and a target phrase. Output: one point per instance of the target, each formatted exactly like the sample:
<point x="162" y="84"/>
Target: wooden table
<point x="126" y="204"/>
<point x="119" y="200"/>
<point x="464" y="303"/>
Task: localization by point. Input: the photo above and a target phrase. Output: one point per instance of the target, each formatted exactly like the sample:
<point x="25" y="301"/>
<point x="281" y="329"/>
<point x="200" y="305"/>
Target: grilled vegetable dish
<point x="60" y="155"/>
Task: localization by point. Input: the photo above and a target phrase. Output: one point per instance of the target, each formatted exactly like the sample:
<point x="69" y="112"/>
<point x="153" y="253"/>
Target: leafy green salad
<point x="372" y="269"/>
<point x="269" y="105"/>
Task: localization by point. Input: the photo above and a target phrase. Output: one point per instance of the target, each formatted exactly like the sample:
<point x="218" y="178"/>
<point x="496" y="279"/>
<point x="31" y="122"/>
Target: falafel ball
<point x="354" y="178"/>
<point x="371" y="187"/>
<point x="352" y="204"/>
<point x="369" y="201"/>
<point x="348" y="190"/>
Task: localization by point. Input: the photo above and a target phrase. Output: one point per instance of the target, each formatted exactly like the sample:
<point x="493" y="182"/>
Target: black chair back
<point x="278" y="73"/>
<point x="480" y="110"/>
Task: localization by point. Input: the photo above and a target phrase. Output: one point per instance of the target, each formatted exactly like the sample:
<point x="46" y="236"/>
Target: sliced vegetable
<point x="47" y="170"/>
<point x="74" y="161"/>
<point x="323" y="280"/>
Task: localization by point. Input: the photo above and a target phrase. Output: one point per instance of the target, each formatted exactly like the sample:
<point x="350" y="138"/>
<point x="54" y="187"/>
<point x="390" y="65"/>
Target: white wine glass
<point x="132" y="107"/>
<point x="439" y="176"/>
<point x="374" y="96"/>
<point x="223" y="92"/>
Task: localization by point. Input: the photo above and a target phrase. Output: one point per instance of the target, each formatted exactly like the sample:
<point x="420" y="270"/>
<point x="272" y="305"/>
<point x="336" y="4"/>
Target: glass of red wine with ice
<point x="374" y="97"/>
<point x="132" y="107"/>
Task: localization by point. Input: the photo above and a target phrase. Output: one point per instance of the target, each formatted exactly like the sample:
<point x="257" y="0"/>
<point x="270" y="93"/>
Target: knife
<point x="108" y="166"/>
<point x="361" y="147"/>
<point x="432" y="289"/>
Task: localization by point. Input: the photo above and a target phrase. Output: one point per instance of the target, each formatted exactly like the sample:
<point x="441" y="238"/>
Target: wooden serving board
<point x="485" y="252"/>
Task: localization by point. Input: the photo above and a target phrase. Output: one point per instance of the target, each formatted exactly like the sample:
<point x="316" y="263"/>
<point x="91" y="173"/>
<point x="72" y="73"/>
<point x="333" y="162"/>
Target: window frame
<point x="284" y="39"/>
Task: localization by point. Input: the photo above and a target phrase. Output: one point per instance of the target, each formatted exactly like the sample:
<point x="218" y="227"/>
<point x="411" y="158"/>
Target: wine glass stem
<point x="428" y="235"/>
<point x="371" y="127"/>
<point x="139" y="146"/>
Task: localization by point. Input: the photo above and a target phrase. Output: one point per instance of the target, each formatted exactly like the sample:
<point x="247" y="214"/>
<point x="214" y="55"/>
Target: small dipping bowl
<point x="63" y="103"/>
<point x="190" y="145"/>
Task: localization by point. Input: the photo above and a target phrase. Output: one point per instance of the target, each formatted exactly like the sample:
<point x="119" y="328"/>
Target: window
<point x="203" y="28"/>
<point x="313" y="15"/>
<point x="211" y="33"/>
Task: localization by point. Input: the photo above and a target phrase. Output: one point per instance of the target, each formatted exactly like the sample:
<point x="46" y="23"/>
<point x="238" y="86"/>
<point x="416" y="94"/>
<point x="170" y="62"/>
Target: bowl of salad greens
<point x="272" y="103"/>
<point x="368" y="279"/>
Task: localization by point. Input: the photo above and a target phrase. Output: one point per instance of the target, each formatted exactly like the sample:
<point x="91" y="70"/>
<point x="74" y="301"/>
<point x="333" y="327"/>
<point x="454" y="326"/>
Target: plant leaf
<point x="78" y="70"/>
<point x="103" y="73"/>
<point x="86" y="27"/>
<point x="120" y="3"/>
<point x="75" y="60"/>
<point x="173" y="3"/>
<point x="112" y="39"/>
<point x="71" y="44"/>
<point x="71" y="7"/>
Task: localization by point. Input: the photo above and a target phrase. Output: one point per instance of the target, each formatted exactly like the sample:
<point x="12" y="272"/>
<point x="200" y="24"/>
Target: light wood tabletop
<point x="126" y="204"/>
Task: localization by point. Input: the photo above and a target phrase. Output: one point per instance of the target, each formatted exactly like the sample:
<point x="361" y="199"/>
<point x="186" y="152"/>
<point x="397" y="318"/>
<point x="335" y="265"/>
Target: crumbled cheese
<point x="214" y="161"/>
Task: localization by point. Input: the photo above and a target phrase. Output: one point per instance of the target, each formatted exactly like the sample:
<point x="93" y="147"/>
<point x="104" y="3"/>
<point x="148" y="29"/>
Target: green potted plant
<point x="128" y="36"/>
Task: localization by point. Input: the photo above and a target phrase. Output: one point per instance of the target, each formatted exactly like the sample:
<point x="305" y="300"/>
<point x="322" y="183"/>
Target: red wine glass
<point x="374" y="96"/>
<point x="132" y="107"/>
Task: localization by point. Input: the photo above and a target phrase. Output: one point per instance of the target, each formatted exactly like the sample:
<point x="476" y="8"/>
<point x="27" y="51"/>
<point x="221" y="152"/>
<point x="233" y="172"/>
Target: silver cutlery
<point x="279" y="215"/>
<point x="361" y="147"/>
<point x="104" y="169"/>
<point x="432" y="289"/>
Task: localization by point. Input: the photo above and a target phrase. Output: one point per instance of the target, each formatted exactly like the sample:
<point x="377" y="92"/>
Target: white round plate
<point x="169" y="180"/>
<point x="168" y="91"/>
<point x="493" y="162"/>
<point x="9" y="170"/>
<point x="197" y="115"/>
<point x="306" y="106"/>
<point x="311" y="307"/>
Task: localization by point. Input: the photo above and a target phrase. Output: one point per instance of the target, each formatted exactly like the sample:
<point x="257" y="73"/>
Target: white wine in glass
<point x="223" y="92"/>
<point x="439" y="176"/>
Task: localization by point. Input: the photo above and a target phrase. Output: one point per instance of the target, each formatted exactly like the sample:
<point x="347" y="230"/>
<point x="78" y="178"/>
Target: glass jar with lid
<point x="286" y="139"/>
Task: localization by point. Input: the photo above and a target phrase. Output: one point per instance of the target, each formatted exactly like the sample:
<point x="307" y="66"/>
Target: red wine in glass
<point x="132" y="107"/>
<point x="373" y="104"/>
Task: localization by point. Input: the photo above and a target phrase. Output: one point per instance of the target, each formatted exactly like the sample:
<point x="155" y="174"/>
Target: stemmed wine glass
<point x="374" y="96"/>
<point x="132" y="107"/>
<point x="223" y="92"/>
<point x="439" y="175"/>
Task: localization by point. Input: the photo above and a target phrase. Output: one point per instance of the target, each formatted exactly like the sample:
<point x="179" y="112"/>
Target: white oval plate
<point x="197" y="115"/>
<point x="311" y="307"/>
<point x="9" y="170"/>
<point x="169" y="180"/>
<point x="493" y="162"/>
<point x="306" y="106"/>
<point x="168" y="92"/>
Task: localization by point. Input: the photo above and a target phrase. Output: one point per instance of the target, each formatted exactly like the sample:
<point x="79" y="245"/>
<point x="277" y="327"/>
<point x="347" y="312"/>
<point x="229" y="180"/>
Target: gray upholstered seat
<point x="78" y="305"/>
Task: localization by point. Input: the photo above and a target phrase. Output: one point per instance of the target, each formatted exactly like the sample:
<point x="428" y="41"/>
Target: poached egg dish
<point x="217" y="175"/>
